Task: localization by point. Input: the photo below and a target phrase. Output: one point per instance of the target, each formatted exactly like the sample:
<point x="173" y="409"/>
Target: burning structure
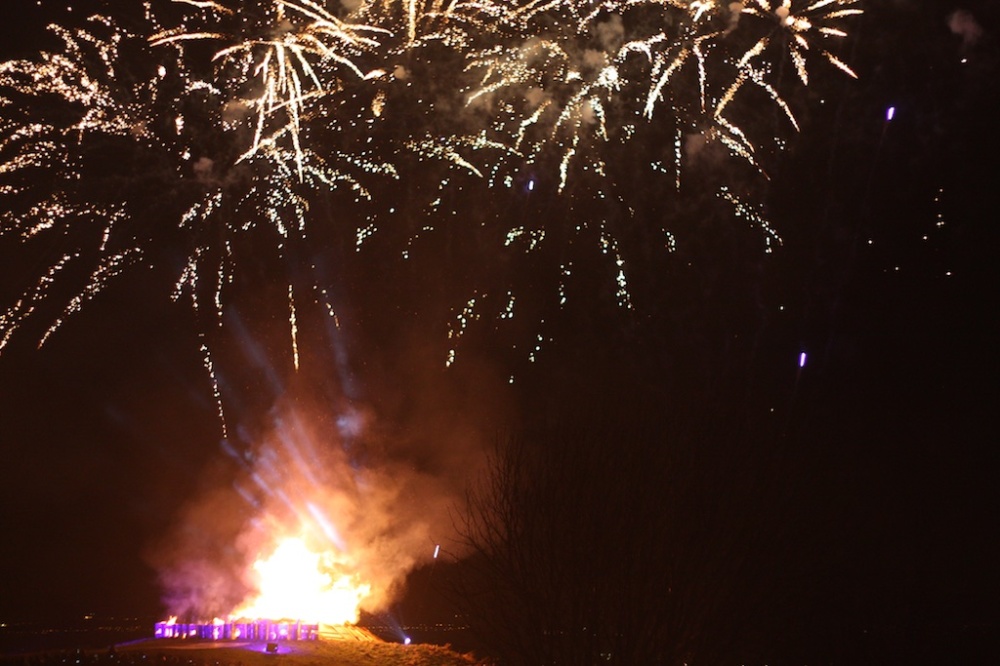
<point x="293" y="580"/>
<point x="294" y="537"/>
<point x="270" y="631"/>
<point x="242" y="629"/>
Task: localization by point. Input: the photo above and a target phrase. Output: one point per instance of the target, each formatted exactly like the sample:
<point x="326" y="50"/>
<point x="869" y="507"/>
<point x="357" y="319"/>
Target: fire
<point x="295" y="582"/>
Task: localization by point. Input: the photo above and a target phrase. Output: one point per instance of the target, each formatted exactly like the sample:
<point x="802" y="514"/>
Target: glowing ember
<point x="296" y="582"/>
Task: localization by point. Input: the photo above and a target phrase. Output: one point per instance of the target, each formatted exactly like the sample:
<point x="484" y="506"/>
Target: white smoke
<point x="535" y="97"/>
<point x="203" y="170"/>
<point x="401" y="73"/>
<point x="611" y="33"/>
<point x="735" y="11"/>
<point x="962" y="23"/>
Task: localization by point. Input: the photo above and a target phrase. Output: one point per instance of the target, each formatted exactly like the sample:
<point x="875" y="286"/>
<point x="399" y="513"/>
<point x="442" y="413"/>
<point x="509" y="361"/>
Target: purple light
<point x="802" y="359"/>
<point x="259" y="630"/>
<point x="531" y="185"/>
<point x="890" y="113"/>
<point x="406" y="641"/>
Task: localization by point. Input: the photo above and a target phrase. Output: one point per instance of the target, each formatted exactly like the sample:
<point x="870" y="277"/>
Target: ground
<point x="300" y="653"/>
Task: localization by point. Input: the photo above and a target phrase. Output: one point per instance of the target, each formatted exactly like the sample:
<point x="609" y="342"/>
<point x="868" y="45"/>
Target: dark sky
<point x="106" y="429"/>
<point x="103" y="435"/>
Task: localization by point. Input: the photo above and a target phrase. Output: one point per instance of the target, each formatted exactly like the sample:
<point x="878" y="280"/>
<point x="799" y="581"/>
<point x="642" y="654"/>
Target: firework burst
<point x="246" y="112"/>
<point x="280" y="64"/>
<point x="60" y="115"/>
<point x="802" y="29"/>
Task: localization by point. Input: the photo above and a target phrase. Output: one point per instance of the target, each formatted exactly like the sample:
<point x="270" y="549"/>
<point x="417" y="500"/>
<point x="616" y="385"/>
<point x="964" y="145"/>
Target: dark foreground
<point x="150" y="652"/>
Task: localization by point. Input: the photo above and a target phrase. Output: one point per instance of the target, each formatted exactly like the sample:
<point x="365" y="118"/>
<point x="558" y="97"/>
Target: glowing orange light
<point x="295" y="582"/>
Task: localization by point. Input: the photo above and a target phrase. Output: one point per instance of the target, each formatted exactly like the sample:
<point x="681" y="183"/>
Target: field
<point x="297" y="653"/>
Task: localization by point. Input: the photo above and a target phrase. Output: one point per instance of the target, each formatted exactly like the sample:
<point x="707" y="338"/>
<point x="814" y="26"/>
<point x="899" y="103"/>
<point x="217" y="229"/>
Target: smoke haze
<point x="371" y="486"/>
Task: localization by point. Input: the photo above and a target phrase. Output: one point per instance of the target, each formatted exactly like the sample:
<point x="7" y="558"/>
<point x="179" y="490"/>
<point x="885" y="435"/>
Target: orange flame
<point x="295" y="582"/>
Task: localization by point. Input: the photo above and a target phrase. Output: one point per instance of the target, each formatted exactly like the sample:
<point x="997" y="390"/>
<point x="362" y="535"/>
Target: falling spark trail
<point x="216" y="393"/>
<point x="293" y="325"/>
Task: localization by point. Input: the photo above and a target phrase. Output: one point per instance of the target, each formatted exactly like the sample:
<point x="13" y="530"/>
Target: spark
<point x="508" y="312"/>
<point x="565" y="271"/>
<point x="249" y="112"/>
<point x="754" y="217"/>
<point x="804" y="29"/>
<point x="293" y="326"/>
<point x="216" y="392"/>
<point x="293" y="64"/>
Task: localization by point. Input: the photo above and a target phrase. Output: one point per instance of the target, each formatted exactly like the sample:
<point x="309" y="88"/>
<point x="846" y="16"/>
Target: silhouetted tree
<point x="623" y="542"/>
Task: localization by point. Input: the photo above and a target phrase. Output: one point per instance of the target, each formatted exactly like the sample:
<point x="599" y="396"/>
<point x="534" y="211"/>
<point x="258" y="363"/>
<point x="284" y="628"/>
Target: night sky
<point x="886" y="279"/>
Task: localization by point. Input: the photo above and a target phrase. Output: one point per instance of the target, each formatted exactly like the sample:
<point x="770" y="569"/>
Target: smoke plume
<point x="372" y="488"/>
<point x="964" y="24"/>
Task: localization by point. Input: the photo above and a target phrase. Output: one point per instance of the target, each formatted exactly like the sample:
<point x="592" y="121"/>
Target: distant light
<point x="437" y="549"/>
<point x="890" y="113"/>
<point x="531" y="184"/>
<point x="406" y="640"/>
<point x="802" y="359"/>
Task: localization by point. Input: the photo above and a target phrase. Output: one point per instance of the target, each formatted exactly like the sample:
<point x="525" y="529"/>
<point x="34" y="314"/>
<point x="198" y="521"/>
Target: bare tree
<point x="611" y="544"/>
